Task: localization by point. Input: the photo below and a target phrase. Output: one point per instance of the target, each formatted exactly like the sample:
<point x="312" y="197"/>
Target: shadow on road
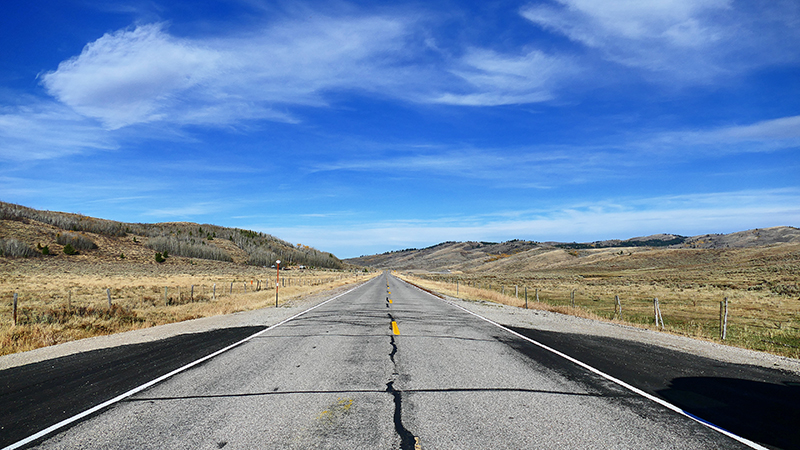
<point x="762" y="412"/>
<point x="35" y="396"/>
<point x="757" y="403"/>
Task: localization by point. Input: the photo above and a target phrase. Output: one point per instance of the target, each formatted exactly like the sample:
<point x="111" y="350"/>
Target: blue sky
<point x="358" y="128"/>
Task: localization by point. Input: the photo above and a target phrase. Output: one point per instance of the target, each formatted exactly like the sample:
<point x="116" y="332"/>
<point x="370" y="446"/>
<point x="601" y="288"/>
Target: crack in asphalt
<point x="407" y="439"/>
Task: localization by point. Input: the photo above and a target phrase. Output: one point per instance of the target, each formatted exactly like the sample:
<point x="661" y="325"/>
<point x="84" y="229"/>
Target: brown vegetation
<point x="63" y="299"/>
<point x="32" y="228"/>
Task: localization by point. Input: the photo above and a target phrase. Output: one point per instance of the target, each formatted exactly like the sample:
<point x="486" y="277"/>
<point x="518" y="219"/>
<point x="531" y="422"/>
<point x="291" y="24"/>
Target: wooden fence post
<point x="537" y="295"/>
<point x="657" y="312"/>
<point x="191" y="294"/>
<point x="723" y="319"/>
<point x="617" y="308"/>
<point x="572" y="298"/>
<point x="108" y="293"/>
<point x="516" y="291"/>
<point x="14" y="313"/>
<point x="214" y="294"/>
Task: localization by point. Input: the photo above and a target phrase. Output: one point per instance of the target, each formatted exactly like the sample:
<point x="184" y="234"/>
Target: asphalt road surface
<point x="386" y="366"/>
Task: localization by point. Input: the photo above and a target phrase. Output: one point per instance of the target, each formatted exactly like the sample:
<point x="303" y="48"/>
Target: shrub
<point x="65" y="221"/>
<point x="44" y="249"/>
<point x="70" y="250"/>
<point x="13" y="248"/>
<point x="187" y="247"/>
<point x="159" y="258"/>
<point x="77" y="241"/>
<point x="262" y="257"/>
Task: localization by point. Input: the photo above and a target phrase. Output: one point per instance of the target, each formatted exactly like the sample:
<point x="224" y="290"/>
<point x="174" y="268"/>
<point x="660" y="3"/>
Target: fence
<point x="766" y="322"/>
<point x="27" y="306"/>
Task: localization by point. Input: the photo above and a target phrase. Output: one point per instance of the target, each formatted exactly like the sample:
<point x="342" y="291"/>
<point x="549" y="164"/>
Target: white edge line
<point x="151" y="383"/>
<point x="636" y="390"/>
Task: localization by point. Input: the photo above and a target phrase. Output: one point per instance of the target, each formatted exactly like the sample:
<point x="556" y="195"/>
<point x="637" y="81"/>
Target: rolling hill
<point x="527" y="256"/>
<point x="27" y="232"/>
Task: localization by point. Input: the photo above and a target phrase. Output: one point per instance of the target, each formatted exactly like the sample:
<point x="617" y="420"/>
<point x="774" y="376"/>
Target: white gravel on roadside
<point x="549" y="321"/>
<point x="259" y="317"/>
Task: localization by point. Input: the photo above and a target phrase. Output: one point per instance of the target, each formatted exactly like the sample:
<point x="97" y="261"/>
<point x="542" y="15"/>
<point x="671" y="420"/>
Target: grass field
<point x="757" y="319"/>
<point x="60" y="301"/>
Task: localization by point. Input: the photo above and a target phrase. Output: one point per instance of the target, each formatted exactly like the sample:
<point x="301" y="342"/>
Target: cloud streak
<point x="621" y="218"/>
<point x="683" y="41"/>
<point x="47" y="130"/>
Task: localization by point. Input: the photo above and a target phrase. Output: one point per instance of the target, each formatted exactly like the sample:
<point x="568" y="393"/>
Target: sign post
<point x="277" y="280"/>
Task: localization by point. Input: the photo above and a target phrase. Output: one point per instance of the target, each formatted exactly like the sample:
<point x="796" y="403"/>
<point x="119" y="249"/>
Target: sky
<point x="361" y="127"/>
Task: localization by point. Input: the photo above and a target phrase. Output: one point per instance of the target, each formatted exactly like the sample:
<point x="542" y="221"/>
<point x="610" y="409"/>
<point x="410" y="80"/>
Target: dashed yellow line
<point x="395" y="330"/>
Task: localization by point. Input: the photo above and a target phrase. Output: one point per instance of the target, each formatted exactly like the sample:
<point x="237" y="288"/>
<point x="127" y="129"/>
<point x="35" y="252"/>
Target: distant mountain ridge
<point x="471" y="255"/>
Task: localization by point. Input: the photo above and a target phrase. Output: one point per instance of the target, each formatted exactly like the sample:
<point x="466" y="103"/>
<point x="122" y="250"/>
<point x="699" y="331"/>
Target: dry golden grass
<point x="757" y="319"/>
<point x="61" y="300"/>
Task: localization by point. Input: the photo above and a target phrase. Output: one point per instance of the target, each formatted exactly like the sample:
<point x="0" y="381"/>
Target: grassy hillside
<point x="26" y="232"/>
<point x="657" y="251"/>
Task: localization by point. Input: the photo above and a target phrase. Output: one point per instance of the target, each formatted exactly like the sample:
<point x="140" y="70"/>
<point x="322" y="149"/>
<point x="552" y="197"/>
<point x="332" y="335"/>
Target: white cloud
<point x="48" y="130"/>
<point x="188" y="211"/>
<point x="690" y="214"/>
<point x="145" y="74"/>
<point x="127" y="76"/>
<point x="766" y="135"/>
<point x="496" y="79"/>
<point x="679" y="40"/>
<point x="784" y="128"/>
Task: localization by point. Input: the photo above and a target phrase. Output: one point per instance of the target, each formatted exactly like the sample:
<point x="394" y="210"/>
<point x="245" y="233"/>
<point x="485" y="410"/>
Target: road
<point x="387" y="366"/>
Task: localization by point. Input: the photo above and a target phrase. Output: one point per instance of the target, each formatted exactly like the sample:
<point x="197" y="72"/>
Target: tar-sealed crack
<point x="407" y="439"/>
<point x="391" y="355"/>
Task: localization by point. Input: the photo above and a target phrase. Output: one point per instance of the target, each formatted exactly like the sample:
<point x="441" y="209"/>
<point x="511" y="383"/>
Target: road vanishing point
<point x="385" y="365"/>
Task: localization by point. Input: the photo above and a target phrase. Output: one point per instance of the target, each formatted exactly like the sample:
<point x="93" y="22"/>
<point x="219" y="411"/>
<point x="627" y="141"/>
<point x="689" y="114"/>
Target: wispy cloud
<point x="622" y="218"/>
<point x="559" y="165"/>
<point x="145" y="74"/>
<point x="765" y="135"/>
<point x="46" y="130"/>
<point x="780" y="129"/>
<point x="493" y="79"/>
<point x="679" y="40"/>
<point x="188" y="211"/>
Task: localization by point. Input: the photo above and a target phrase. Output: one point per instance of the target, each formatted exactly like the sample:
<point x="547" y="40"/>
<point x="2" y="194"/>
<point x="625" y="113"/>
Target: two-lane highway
<point x="387" y="366"/>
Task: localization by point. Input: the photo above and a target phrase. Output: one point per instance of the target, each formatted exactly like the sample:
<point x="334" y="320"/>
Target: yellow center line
<point x="395" y="330"/>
